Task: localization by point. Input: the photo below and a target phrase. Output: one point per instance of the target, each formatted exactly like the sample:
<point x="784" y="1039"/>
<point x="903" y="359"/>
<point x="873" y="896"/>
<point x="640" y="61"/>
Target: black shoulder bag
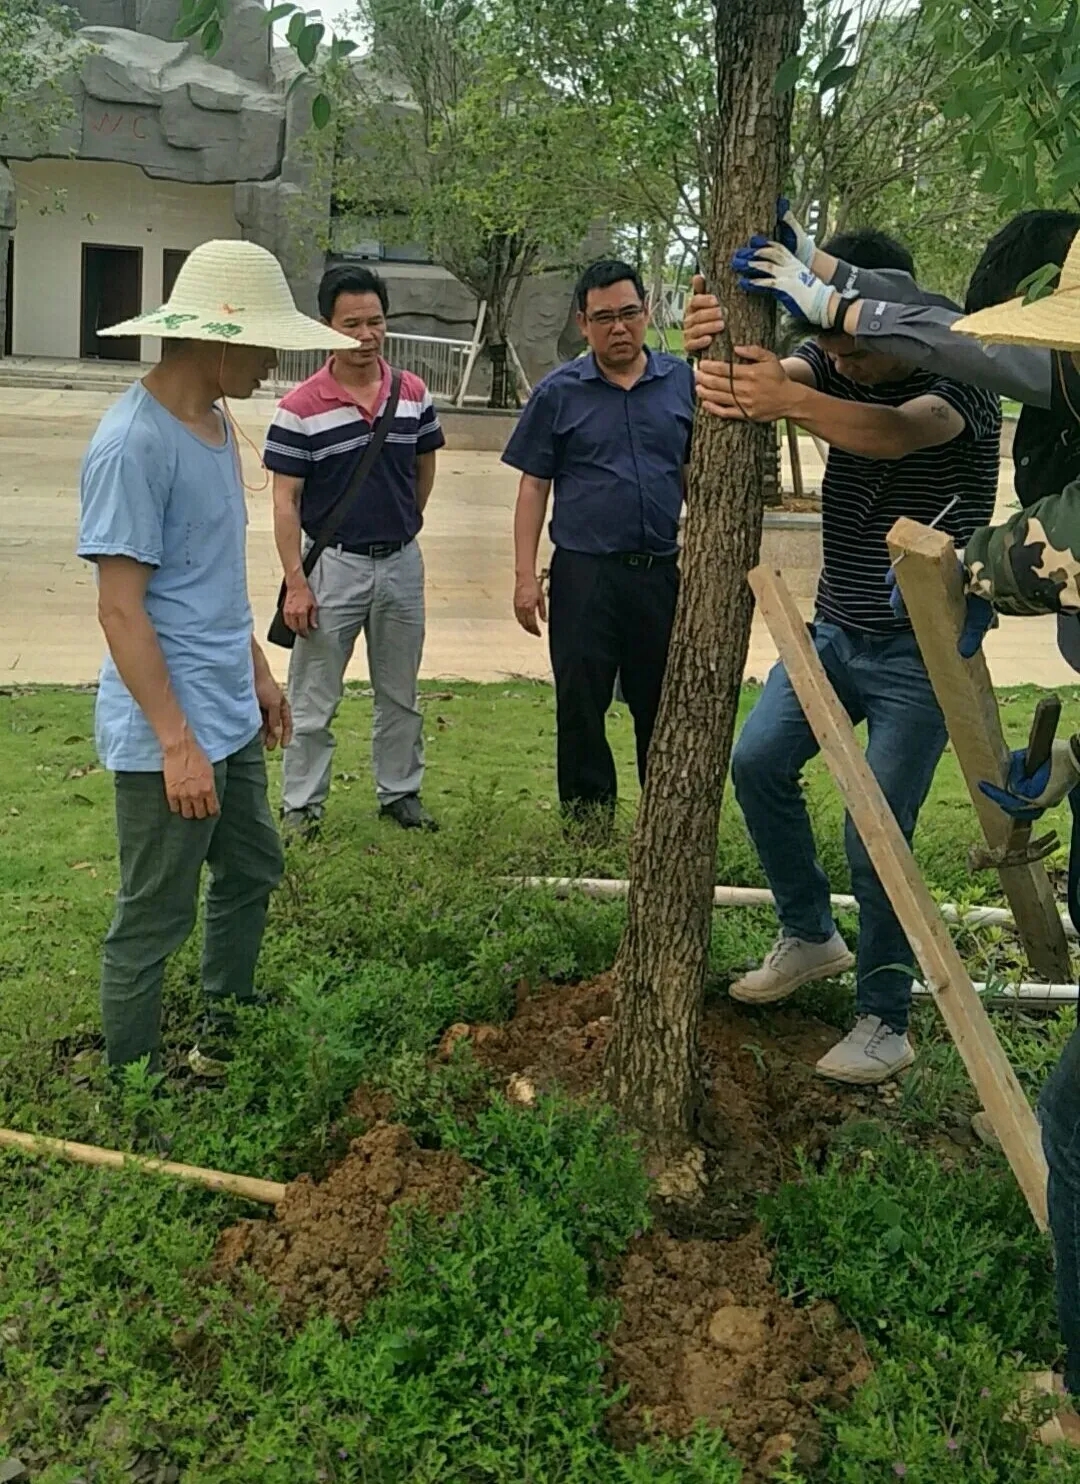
<point x="279" y="632"/>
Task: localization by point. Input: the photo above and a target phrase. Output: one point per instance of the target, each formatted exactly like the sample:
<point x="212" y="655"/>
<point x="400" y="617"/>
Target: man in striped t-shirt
<point x="902" y="441"/>
<point x="371" y="579"/>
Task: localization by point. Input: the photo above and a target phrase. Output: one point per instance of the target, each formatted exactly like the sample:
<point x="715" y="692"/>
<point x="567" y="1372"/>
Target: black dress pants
<point x="606" y="618"/>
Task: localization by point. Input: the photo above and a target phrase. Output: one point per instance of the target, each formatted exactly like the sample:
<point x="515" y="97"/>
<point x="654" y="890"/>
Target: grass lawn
<point x="486" y="1352"/>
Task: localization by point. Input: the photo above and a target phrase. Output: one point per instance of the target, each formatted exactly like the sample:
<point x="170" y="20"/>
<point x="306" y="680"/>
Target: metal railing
<point x="439" y="363"/>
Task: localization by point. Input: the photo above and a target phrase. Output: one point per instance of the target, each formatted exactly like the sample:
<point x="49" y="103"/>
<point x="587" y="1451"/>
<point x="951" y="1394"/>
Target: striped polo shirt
<point x="319" y="434"/>
<point x="861" y="498"/>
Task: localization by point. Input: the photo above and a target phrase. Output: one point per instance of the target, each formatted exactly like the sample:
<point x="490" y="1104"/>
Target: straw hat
<point x="1052" y="322"/>
<point x="234" y="292"/>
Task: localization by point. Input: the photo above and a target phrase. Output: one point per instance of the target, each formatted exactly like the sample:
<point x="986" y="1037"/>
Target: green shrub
<point x="891" y="1236"/>
<point x="938" y="1409"/>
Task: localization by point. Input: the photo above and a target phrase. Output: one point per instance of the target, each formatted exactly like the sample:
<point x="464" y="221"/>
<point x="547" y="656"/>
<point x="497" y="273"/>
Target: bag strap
<point x="344" y="503"/>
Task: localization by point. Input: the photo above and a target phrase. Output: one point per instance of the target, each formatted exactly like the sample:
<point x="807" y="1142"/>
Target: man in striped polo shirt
<point x="371" y="579"/>
<point x="902" y="441"/>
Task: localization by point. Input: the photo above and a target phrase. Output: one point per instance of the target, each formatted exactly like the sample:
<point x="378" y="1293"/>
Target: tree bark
<point x="500" y="380"/>
<point x="653" y="1067"/>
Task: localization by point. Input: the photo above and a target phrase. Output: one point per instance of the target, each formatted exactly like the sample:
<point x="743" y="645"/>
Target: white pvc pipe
<point x="756" y="896"/>
<point x="1030" y="995"/>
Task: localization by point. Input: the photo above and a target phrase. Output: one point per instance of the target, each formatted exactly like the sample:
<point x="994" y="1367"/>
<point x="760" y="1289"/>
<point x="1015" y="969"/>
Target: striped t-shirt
<point x="862" y="498"/>
<point x="319" y="434"/>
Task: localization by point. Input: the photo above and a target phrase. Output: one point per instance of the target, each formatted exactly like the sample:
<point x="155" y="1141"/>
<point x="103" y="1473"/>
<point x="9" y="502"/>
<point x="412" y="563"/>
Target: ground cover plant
<point x="524" y="1330"/>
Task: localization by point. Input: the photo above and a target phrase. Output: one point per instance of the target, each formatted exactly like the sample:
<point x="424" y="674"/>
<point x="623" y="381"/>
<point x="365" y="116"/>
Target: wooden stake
<point x="795" y="457"/>
<point x="266" y="1192"/>
<point x="929" y="578"/>
<point x="943" y="969"/>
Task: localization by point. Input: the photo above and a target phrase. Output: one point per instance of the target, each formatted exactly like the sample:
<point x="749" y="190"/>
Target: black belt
<point x="376" y="549"/>
<point x="643" y="559"/>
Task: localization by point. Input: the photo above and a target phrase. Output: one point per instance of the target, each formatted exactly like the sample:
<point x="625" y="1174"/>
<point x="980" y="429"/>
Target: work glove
<point x="791" y="233"/>
<point x="979" y="616"/>
<point x="1025" y="799"/>
<point x="765" y="267"/>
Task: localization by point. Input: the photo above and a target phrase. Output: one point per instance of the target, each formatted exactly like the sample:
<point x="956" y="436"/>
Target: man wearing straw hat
<point x="186" y="702"/>
<point x="1031" y="565"/>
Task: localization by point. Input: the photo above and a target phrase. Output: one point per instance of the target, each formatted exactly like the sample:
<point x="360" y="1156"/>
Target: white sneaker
<point x="872" y="1052"/>
<point x="789" y="963"/>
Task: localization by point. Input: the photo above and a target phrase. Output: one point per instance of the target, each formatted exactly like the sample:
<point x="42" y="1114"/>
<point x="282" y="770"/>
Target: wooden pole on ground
<point x="266" y="1192"/>
<point x="947" y="978"/>
<point x="929" y="578"/>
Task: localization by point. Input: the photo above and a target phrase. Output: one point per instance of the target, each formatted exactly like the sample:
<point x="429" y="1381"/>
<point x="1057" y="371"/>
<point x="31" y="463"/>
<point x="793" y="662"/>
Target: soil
<point x="704" y="1332"/>
<point x="764" y="1101"/>
<point x="326" y="1249"/>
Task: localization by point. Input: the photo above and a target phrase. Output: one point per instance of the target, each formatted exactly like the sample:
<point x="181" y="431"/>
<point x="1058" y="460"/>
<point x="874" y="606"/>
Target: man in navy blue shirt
<point x="611" y="433"/>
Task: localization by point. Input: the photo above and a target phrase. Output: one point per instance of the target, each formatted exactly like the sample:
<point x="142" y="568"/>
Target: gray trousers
<point x="384" y="598"/>
<point x="161" y="861"/>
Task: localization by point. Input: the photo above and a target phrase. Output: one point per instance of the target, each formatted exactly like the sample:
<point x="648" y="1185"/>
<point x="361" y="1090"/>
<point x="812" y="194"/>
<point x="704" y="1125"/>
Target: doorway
<point x="111" y="292"/>
<point x="9" y="301"/>
<point x="172" y="260"/>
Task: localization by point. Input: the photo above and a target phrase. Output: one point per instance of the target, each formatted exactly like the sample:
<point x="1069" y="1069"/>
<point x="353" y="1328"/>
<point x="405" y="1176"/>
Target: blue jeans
<point x="1059" y="1114"/>
<point x="880" y="679"/>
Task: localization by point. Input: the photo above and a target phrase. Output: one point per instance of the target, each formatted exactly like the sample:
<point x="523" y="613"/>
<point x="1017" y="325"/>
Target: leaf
<point x="996" y="42"/>
<point x="787" y="75"/>
<point x="837" y="78"/>
<point x="993" y="177"/>
<point x="990" y="115"/>
<point x="1039" y="284"/>
<point x="888" y="1212"/>
<point x="212" y="37"/>
<point x="830" y="62"/>
<point x="195" y="19"/>
<point x="320" y="110"/>
<point x="278" y="13"/>
<point x="1067" y="169"/>
<point x="840" y="28"/>
<point x="893" y="1239"/>
<point x="296" y="25"/>
<point x="341" y="47"/>
<point x="307" y="42"/>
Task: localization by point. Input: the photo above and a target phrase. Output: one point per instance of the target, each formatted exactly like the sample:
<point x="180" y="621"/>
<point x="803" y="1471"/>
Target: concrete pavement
<point x="48" y="628"/>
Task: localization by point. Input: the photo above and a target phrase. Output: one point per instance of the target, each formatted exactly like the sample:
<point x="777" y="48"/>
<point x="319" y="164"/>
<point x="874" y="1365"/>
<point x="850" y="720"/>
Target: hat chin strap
<point x="240" y="436"/>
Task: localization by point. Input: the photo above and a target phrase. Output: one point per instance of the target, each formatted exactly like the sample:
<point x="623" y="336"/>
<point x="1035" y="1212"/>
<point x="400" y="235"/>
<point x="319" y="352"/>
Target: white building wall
<point x="64" y="203"/>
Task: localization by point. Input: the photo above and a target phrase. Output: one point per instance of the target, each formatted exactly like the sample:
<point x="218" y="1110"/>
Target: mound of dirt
<point x="764" y="1101"/>
<point x="326" y="1249"/>
<point x="704" y="1334"/>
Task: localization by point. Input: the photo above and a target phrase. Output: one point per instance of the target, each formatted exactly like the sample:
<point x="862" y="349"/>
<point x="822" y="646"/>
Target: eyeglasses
<point x="603" y="319"/>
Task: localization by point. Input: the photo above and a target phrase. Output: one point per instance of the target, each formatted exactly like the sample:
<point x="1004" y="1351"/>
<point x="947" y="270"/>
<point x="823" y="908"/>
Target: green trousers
<point x="161" y="860"/>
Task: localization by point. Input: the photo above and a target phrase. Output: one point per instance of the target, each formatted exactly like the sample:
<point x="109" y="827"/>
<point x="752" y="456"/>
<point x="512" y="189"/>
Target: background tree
<point x="444" y="129"/>
<point x="1009" y="73"/>
<point x="37" y="51"/>
<point x="870" y="143"/>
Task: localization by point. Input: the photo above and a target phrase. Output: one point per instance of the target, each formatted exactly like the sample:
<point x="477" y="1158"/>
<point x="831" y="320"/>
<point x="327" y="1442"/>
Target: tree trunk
<point x="500" y="381"/>
<point x="653" y="1068"/>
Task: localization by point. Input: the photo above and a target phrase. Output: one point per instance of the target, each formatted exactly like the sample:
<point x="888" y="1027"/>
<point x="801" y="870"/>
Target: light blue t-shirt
<point x="153" y="491"/>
